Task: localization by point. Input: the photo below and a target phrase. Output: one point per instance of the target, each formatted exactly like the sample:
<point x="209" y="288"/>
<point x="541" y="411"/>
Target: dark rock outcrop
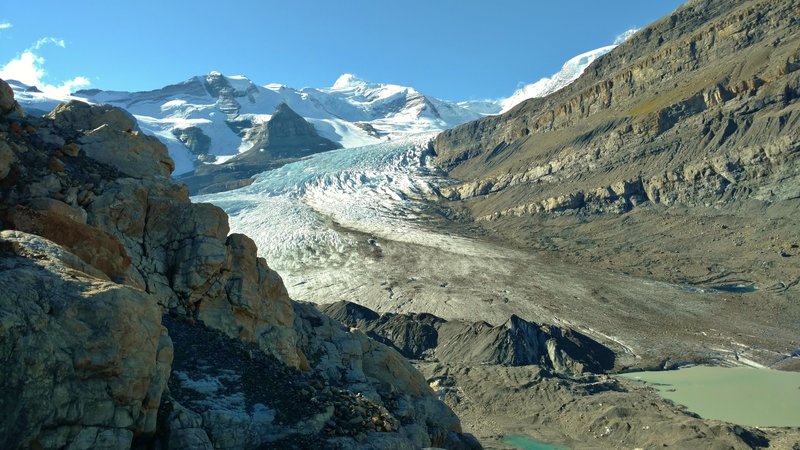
<point x="285" y="138"/>
<point x="99" y="250"/>
<point x="517" y="342"/>
<point x="194" y="139"/>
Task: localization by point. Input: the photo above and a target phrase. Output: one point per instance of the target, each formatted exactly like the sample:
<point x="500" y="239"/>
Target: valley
<point x="383" y="237"/>
<point x="218" y="264"/>
<point x="385" y="243"/>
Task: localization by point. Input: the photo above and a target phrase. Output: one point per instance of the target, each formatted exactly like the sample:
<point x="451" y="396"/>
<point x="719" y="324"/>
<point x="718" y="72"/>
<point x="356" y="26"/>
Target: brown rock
<point x="59" y="208"/>
<point x="134" y="154"/>
<point x="77" y="115"/>
<point x="7" y="158"/>
<point x="7" y="102"/>
<point x="86" y="360"/>
<point x="97" y="248"/>
<point x="56" y="165"/>
<point x="71" y="149"/>
<point x="112" y="137"/>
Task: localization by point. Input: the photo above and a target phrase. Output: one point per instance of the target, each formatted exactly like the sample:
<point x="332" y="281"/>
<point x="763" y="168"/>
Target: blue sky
<point x="451" y="49"/>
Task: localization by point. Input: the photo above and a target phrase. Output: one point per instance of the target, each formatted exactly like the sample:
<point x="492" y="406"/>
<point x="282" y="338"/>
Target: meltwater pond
<point x="739" y="395"/>
<point x="526" y="443"/>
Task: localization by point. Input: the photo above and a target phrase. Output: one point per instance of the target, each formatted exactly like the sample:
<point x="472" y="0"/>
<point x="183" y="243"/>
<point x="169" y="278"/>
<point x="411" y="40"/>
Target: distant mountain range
<point x="212" y="118"/>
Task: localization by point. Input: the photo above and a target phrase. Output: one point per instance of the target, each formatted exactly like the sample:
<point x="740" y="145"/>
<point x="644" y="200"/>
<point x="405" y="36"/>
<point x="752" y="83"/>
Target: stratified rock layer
<point x="698" y="108"/>
<point x="689" y="128"/>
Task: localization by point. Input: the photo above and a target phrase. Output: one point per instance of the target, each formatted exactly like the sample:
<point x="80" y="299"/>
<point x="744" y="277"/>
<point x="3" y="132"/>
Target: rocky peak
<point x="347" y="81"/>
<point x="218" y="87"/>
<point x="285" y="124"/>
<point x="284" y="138"/>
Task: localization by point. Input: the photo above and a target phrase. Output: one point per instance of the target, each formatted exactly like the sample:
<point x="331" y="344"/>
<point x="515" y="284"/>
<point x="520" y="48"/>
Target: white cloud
<point x="5" y="25"/>
<point x="48" y="40"/>
<point x="28" y="68"/>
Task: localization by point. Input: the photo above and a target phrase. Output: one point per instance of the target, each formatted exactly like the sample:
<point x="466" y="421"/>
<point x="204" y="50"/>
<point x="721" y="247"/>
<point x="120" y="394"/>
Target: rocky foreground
<point x="132" y="318"/>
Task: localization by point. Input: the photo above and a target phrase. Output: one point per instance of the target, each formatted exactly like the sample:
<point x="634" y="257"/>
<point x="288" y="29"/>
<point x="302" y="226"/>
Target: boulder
<point x="110" y="135"/>
<point x="85" y="361"/>
<point x="80" y="116"/>
<point x="94" y="246"/>
<point x="7" y="102"/>
<point x="132" y="153"/>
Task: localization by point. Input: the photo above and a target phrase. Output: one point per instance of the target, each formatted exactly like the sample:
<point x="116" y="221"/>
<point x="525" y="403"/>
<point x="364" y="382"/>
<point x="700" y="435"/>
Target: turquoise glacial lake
<point x="739" y="395"/>
<point x="526" y="443"/>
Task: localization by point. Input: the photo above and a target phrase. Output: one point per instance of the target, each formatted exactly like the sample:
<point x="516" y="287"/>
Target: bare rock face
<point x="6" y="159"/>
<point x="7" y="103"/>
<point x="104" y="127"/>
<point x="100" y="250"/>
<point x="85" y="360"/>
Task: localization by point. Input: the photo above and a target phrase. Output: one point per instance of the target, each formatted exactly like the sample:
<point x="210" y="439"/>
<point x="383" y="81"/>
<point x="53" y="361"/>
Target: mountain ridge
<point x="224" y="111"/>
<point x="698" y="111"/>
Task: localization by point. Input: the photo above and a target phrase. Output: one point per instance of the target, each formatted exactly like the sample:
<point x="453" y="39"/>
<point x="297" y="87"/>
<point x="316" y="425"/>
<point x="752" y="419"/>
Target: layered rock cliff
<point x="131" y="317"/>
<point x="698" y="110"/>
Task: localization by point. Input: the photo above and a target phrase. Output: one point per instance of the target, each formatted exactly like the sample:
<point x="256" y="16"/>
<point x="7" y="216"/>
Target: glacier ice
<point x="296" y="214"/>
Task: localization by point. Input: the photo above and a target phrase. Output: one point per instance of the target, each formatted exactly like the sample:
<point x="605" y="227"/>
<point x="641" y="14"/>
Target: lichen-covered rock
<point x="84" y="360"/>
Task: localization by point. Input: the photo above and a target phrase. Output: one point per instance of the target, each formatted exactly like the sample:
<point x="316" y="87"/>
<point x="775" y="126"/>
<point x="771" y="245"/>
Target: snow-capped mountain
<point x="225" y="109"/>
<point x="569" y="72"/>
<point x="214" y="117"/>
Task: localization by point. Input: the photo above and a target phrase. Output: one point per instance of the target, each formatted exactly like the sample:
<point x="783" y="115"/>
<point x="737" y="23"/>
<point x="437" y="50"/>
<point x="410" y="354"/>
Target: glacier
<point x="295" y="213"/>
<point x="363" y="224"/>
